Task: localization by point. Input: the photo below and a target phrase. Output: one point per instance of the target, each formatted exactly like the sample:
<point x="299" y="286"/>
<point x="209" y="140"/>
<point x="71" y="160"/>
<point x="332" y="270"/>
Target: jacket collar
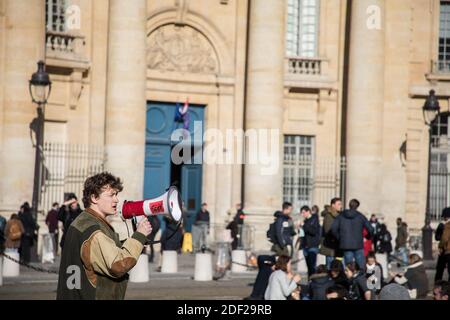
<point x="333" y="211"/>
<point x="415" y="265"/>
<point x="96" y="215"/>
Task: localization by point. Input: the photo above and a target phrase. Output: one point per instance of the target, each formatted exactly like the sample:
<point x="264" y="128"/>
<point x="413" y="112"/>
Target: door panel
<point x="157" y="170"/>
<point x="191" y="191"/>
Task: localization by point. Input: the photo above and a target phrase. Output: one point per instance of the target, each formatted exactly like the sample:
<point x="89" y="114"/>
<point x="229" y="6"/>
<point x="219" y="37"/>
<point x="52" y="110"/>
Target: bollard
<point x="240" y="257"/>
<point x="301" y="263"/>
<point x="169" y="262"/>
<point x="139" y="273"/>
<point x="203" y="267"/>
<point x="382" y="259"/>
<point x="11" y="268"/>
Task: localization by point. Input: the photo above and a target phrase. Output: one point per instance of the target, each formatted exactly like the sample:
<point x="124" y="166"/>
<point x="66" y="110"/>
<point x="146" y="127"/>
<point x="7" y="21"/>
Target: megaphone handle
<point x="134" y="223"/>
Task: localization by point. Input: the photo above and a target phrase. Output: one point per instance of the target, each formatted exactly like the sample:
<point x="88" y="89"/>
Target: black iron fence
<point x="66" y="166"/>
<point x="439" y="191"/>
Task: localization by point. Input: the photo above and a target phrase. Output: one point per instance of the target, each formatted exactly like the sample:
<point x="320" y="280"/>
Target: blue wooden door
<point x="191" y="186"/>
<point x="158" y="165"/>
<point x="157" y="170"/>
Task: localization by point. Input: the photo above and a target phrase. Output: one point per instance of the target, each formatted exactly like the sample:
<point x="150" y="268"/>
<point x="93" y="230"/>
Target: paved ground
<point x="37" y="285"/>
<point x="180" y="286"/>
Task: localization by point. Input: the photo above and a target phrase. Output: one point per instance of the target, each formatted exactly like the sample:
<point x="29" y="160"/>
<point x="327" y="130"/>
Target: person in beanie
<point x="415" y="278"/>
<point x="94" y="263"/>
<point x="394" y="291"/>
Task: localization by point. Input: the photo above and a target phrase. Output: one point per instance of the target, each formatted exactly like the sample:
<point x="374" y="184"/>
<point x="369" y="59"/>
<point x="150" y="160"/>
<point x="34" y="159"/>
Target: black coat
<point x="284" y="229"/>
<point x="417" y="279"/>
<point x="318" y="286"/>
<point x="348" y="229"/>
<point x="384" y="244"/>
<point x="311" y="227"/>
<point x="172" y="236"/>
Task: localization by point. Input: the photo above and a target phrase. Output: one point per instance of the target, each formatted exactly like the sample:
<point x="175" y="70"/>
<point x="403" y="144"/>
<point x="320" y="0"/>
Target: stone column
<point x="365" y="104"/>
<point x="264" y="110"/>
<point x="24" y="45"/>
<point x="125" y="100"/>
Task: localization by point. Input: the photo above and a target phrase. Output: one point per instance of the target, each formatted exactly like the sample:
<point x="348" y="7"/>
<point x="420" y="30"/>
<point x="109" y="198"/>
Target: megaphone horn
<point x="168" y="204"/>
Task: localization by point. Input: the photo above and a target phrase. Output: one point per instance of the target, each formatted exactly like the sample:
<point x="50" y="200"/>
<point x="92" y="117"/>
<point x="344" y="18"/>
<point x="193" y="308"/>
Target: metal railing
<point x="304" y="65"/>
<point x="440" y="67"/>
<point x="439" y="191"/>
<point x="66" y="166"/>
<point x="309" y="181"/>
<point x="65" y="45"/>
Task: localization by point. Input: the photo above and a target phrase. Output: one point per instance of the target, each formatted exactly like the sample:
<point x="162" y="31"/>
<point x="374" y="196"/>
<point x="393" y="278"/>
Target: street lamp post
<point x="430" y="112"/>
<point x="40" y="87"/>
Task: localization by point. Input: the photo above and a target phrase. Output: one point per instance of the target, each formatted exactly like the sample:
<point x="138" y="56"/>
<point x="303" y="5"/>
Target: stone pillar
<point x="125" y="100"/>
<point x="365" y="104"/>
<point x="264" y="110"/>
<point x="24" y="45"/>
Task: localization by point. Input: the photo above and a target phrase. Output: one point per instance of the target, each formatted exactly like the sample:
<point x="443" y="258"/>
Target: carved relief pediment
<point x="181" y="49"/>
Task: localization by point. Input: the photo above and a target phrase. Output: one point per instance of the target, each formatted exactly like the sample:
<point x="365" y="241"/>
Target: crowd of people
<point x="350" y="243"/>
<point x="20" y="233"/>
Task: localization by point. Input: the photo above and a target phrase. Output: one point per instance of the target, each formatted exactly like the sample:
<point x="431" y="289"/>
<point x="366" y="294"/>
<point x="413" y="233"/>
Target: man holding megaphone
<point x="94" y="263"/>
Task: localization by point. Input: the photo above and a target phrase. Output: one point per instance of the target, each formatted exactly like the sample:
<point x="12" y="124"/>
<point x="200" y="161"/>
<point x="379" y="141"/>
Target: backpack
<point x="14" y="232"/>
<point x="271" y="233"/>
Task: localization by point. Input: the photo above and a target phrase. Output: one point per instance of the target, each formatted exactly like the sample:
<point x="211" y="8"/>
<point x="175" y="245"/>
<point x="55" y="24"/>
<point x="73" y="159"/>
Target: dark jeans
<point x="311" y="259"/>
<point x="357" y="256"/>
<point x="442" y="261"/>
<point x="25" y="248"/>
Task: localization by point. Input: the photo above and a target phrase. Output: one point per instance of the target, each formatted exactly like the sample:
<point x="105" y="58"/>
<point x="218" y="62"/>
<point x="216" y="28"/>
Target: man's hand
<point x="144" y="227"/>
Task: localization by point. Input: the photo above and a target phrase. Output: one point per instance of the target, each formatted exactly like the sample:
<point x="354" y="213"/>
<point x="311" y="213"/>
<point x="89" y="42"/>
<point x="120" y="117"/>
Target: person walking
<point x="30" y="235"/>
<point x="401" y="239"/>
<point x="51" y="220"/>
<point x="235" y="226"/>
<point x="376" y="231"/>
<point x="384" y="244"/>
<point x="348" y="229"/>
<point x="68" y="212"/>
<point x="200" y="228"/>
<point x="329" y="244"/>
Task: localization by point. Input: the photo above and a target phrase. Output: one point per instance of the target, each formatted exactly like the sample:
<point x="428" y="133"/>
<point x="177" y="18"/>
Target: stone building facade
<point x="344" y="82"/>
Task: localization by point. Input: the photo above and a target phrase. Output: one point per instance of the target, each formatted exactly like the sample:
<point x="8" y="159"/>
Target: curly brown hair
<point x="96" y="184"/>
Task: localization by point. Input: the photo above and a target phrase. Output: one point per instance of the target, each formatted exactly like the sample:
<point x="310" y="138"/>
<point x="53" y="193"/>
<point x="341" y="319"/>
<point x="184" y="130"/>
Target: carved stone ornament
<point x="181" y="49"/>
